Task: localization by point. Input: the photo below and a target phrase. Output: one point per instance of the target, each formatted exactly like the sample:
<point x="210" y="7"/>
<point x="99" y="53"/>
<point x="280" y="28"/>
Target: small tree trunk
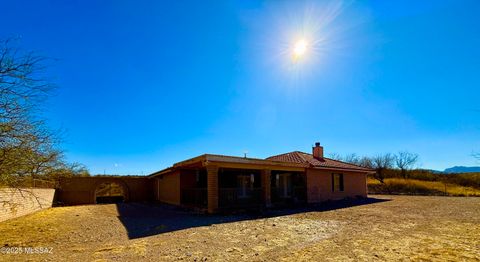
<point x="379" y="175"/>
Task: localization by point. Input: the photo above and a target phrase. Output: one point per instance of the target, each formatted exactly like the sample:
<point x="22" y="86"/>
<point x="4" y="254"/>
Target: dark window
<point x="201" y="178"/>
<point x="337" y="182"/>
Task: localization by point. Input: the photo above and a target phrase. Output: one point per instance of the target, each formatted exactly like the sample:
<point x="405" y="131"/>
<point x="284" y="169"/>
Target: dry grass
<point x="413" y="186"/>
<point x="45" y="223"/>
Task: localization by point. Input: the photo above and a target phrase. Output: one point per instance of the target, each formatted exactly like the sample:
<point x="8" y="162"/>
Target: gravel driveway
<point x="381" y="228"/>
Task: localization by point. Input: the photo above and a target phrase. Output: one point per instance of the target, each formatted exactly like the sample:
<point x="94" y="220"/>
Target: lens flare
<point x="297" y="44"/>
<point x="300" y="36"/>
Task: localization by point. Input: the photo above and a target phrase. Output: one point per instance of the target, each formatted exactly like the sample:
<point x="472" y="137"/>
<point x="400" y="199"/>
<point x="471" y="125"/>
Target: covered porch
<point x="226" y="186"/>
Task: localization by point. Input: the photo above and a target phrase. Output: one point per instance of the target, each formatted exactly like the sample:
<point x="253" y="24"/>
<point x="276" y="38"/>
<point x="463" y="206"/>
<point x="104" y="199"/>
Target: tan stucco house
<point x="218" y="182"/>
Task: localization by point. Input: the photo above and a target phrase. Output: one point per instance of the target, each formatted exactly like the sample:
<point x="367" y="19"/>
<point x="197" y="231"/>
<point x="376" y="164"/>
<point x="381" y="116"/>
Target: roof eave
<point x="233" y="159"/>
<point x="344" y="169"/>
<point x="161" y="172"/>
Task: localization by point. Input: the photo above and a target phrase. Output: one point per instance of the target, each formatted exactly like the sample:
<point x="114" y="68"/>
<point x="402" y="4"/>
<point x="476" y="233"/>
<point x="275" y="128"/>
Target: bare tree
<point x="335" y="156"/>
<point x="381" y="163"/>
<point x="405" y="161"/>
<point x="352" y="158"/>
<point x="28" y="148"/>
<point x="365" y="162"/>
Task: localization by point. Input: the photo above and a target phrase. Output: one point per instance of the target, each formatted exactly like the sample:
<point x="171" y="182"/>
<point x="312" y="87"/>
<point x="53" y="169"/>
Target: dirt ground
<point x="383" y="228"/>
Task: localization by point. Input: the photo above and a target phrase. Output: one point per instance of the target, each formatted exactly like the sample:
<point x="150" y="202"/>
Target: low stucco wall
<point x="168" y="188"/>
<point x="319" y="185"/>
<point x="81" y="190"/>
<point x="17" y="202"/>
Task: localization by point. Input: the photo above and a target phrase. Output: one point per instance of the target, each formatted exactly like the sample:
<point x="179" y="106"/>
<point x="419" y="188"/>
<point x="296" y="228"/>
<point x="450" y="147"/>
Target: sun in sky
<point x="300" y="49"/>
<point x="300" y="38"/>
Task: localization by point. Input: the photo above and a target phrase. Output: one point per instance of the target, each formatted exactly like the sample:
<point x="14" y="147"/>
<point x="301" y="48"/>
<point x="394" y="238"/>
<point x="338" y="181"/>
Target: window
<point x="245" y="185"/>
<point x="337" y="182"/>
<point x="283" y="183"/>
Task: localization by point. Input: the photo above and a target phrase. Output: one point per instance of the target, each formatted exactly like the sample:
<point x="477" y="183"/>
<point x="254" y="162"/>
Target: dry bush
<point x="419" y="187"/>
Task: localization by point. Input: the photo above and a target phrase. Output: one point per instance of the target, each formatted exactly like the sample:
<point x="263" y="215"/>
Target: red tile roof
<point x="309" y="160"/>
<point x="293" y="159"/>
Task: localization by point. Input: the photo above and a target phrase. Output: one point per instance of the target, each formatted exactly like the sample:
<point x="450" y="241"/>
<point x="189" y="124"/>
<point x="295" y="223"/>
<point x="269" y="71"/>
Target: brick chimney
<point x="317" y="151"/>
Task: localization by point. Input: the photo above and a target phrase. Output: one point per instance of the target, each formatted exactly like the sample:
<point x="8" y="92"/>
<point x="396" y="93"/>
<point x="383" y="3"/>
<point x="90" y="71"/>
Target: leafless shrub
<point x="381" y="163"/>
<point x="405" y="161"/>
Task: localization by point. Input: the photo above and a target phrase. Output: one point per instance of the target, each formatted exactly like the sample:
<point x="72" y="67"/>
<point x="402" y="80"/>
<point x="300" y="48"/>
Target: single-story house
<point x="218" y="182"/>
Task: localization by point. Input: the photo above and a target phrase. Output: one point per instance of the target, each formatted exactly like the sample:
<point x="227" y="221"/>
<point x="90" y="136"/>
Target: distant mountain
<point x="462" y="169"/>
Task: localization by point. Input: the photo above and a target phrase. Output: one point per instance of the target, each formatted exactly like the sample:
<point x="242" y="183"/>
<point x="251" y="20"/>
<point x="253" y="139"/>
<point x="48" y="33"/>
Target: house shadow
<point x="148" y="219"/>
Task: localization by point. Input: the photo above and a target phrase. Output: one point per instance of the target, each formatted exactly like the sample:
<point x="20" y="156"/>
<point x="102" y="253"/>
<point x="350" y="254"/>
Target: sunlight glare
<point x="300" y="49"/>
<point x="299" y="40"/>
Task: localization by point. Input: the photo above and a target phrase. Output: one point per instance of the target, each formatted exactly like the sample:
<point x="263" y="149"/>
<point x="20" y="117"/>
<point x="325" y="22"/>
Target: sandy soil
<point x="386" y="228"/>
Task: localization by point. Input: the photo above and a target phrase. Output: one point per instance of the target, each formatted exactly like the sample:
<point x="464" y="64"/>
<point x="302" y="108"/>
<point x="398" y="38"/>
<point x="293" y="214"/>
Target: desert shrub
<point x="425" y="175"/>
<point x="466" y="179"/>
<point x="419" y="187"/>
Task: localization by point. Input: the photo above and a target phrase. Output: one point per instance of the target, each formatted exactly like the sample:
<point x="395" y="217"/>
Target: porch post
<point x="212" y="188"/>
<point x="266" y="173"/>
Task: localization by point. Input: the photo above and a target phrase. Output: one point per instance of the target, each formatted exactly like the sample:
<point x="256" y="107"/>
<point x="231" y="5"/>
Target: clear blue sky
<point x="144" y="84"/>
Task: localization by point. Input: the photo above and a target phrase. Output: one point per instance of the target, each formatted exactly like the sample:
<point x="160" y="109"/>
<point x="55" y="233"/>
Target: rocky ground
<point x="387" y="228"/>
